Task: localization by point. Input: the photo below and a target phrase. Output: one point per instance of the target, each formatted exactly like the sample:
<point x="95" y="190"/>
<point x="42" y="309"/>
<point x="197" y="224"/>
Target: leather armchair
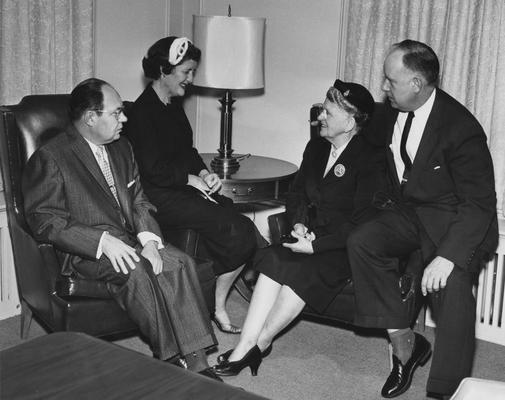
<point x="59" y="303"/>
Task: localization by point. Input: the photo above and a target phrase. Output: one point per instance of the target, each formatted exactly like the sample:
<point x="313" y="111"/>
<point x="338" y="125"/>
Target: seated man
<point x="82" y="194"/>
<point x="443" y="202"/>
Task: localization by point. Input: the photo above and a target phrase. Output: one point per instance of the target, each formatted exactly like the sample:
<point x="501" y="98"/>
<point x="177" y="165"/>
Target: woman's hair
<point x="336" y="97"/>
<point x="86" y="96"/>
<point x="158" y="58"/>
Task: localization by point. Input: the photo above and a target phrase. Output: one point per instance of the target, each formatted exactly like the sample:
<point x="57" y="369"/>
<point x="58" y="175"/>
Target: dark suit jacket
<point x="69" y="204"/>
<point x="332" y="206"/>
<point x="451" y="184"/>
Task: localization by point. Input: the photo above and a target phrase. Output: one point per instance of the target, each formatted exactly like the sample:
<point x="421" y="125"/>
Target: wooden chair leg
<point x="26" y="319"/>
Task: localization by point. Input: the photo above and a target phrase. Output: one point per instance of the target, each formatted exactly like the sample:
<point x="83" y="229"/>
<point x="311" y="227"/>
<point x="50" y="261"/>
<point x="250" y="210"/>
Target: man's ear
<point x="89" y="118"/>
<point x="417" y="83"/>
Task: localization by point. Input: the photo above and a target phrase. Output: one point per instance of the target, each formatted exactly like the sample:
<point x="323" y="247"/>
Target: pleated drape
<point x="469" y="39"/>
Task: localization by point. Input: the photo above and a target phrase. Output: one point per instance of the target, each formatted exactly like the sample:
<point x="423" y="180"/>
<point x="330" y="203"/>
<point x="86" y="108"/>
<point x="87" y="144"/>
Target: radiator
<point x="9" y="300"/>
<point x="490" y="296"/>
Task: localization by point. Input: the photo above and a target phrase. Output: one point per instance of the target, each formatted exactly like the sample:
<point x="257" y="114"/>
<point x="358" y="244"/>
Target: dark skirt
<point x="315" y="278"/>
<point x="226" y="237"/>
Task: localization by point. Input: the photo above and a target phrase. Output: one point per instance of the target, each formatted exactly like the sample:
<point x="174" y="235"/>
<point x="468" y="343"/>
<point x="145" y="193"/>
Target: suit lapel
<point x="83" y="152"/>
<point x="429" y="142"/>
<point x="430" y="138"/>
<point x="321" y="161"/>
<point x="119" y="169"/>
<point x="350" y="153"/>
<point x="390" y="122"/>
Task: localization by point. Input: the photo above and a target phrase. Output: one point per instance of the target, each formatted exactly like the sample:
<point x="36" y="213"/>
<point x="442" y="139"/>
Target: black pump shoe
<point x="252" y="359"/>
<point x="224" y="356"/>
<point x="400" y="378"/>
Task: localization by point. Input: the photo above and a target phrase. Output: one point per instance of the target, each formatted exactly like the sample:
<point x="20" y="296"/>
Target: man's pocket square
<point x="437" y="167"/>
<point x="130" y="184"/>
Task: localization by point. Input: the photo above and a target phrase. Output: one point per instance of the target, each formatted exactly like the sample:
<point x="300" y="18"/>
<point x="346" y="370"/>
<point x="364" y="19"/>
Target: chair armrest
<point x="184" y="239"/>
<point x="278" y="225"/>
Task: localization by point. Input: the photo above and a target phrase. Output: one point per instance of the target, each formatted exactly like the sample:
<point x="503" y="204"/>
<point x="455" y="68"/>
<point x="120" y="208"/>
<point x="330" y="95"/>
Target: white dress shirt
<point x="415" y="135"/>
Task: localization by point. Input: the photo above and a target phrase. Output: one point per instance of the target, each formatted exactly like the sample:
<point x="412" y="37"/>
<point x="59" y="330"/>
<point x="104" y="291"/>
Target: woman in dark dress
<point x="332" y="192"/>
<point x="173" y="174"/>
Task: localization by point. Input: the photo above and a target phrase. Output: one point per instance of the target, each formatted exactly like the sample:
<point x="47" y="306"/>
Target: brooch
<point x="339" y="170"/>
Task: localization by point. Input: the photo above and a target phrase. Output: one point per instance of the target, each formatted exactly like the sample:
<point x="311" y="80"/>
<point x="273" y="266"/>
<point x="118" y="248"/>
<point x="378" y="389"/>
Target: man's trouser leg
<point x="454" y="312"/>
<point x="168" y="308"/>
<point x="375" y="249"/>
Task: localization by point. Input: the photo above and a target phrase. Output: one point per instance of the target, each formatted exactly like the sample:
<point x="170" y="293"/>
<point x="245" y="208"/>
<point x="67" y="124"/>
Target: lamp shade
<point x="232" y="52"/>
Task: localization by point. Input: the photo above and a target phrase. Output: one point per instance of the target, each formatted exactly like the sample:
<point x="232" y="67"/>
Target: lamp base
<point x="227" y="165"/>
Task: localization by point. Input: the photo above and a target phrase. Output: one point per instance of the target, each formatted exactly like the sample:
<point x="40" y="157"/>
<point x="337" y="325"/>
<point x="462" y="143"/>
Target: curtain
<point x="46" y="46"/>
<point x="467" y="36"/>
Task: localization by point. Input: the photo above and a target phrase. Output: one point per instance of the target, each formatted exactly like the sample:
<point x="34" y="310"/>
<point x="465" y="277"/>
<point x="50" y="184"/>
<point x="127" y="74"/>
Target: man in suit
<point x="442" y="201"/>
<point x="83" y="195"/>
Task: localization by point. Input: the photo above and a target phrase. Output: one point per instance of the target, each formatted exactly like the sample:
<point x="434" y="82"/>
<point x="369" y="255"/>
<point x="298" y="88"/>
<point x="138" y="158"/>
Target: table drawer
<point x="250" y="191"/>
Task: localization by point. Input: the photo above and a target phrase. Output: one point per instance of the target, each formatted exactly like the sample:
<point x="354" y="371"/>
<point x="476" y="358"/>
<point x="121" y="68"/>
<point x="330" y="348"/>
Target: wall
<point x="124" y="30"/>
<point x="302" y="45"/>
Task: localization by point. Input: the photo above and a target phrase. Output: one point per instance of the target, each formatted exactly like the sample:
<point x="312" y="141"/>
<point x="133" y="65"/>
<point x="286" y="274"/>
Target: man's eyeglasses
<point x="116" y="113"/>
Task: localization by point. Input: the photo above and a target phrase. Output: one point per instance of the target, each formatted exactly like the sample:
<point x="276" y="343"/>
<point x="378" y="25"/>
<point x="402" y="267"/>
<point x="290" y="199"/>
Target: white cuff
<point x="145" y="237"/>
<point x="99" y="251"/>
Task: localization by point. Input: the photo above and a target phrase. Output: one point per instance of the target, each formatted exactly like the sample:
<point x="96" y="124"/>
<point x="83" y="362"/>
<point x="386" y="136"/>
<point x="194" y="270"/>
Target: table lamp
<point x="232" y="60"/>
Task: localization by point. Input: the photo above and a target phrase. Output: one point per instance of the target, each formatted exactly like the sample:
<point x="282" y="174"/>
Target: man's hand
<point x="119" y="253"/>
<point x="213" y="182"/>
<point x="303" y="245"/>
<point x="436" y="274"/>
<point x="150" y="251"/>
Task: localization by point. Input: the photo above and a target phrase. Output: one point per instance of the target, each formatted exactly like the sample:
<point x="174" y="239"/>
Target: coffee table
<point x="70" y="365"/>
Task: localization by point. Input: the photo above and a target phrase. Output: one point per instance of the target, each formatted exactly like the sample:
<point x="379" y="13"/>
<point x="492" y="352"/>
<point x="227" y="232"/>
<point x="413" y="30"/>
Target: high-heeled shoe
<point x="226" y="328"/>
<point x="252" y="359"/>
<point x="224" y="356"/>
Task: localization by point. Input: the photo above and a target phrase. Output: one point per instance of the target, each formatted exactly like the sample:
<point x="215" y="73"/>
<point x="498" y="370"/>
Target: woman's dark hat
<point x="357" y="95"/>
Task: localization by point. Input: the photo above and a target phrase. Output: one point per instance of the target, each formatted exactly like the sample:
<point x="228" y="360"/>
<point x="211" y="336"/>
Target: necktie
<point x="403" y="146"/>
<point x="106" y="171"/>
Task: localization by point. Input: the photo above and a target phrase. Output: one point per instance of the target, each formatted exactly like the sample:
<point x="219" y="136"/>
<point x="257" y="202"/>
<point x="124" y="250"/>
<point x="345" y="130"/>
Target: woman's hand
<point x="304" y="243"/>
<point x="300" y="228"/>
<point x="213" y="182"/>
<point x="198" y="183"/>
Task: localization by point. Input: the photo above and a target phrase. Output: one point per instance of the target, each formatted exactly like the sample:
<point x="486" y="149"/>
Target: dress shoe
<point x="179" y="362"/>
<point x="224" y="356"/>
<point x="400" y="378"/>
<point x="252" y="359"/>
<point x="226" y="328"/>
<point x="210" y="373"/>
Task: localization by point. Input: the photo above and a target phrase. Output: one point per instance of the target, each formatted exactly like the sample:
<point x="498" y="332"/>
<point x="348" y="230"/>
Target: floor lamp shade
<point x="232" y="52"/>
